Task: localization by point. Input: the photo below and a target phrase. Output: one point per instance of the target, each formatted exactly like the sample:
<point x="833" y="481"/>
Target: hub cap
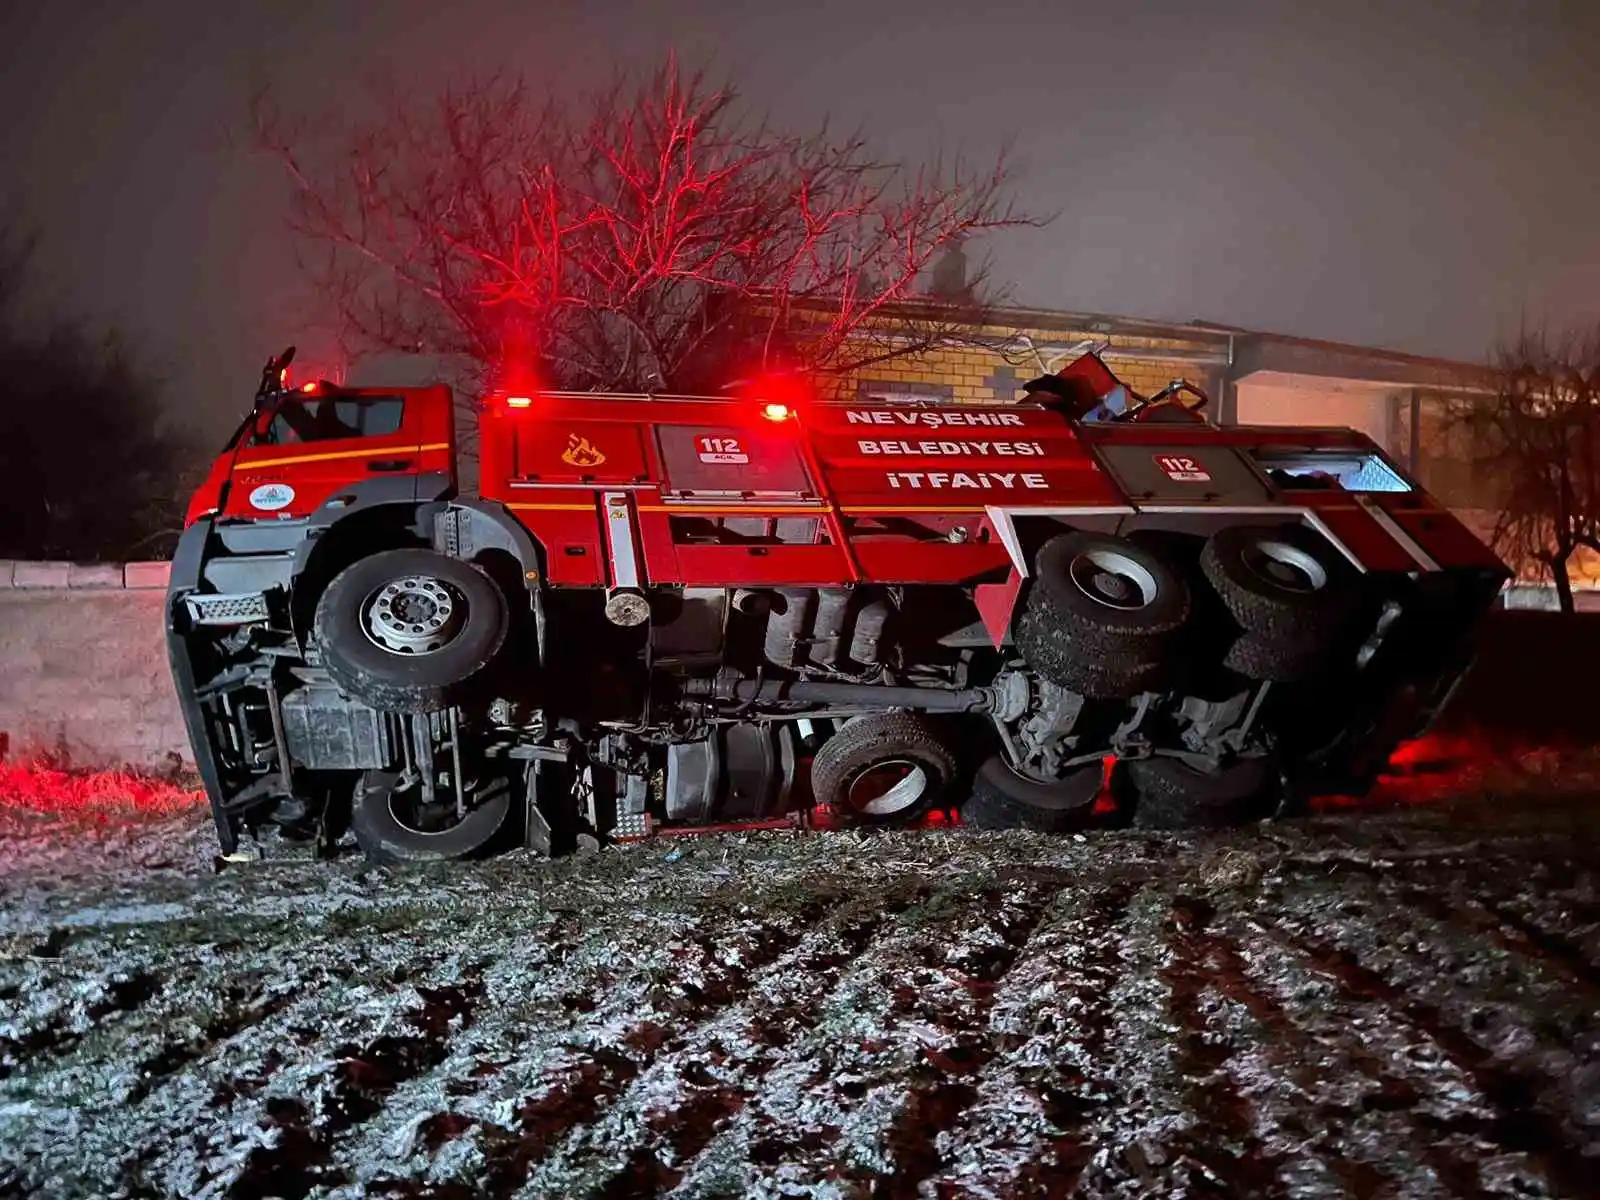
<point x="414" y="615"/>
<point x="1113" y="579"/>
<point x="426" y="819"/>
<point x="1285" y="566"/>
<point x="887" y="788"/>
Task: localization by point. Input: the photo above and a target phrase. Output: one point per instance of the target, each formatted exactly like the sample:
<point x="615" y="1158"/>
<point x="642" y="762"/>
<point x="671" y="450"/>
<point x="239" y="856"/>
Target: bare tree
<point x="647" y="236"/>
<point x="1535" y="449"/>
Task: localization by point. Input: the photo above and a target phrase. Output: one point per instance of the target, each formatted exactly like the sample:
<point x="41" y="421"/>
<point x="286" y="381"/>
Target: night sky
<point x="1414" y="175"/>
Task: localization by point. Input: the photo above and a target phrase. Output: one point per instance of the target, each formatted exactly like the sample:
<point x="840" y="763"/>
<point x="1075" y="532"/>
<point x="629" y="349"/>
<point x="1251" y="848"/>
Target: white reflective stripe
<point x="1001" y="519"/>
<point x="1392" y="527"/>
<point x="1309" y="516"/>
<point x="624" y="553"/>
<point x="1321" y="527"/>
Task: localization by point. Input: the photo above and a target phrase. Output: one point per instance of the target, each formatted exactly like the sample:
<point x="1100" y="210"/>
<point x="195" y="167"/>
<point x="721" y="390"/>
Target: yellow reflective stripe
<point x="700" y="510"/>
<point x="551" y="507"/>
<point x="381" y="452"/>
<point x="910" y="508"/>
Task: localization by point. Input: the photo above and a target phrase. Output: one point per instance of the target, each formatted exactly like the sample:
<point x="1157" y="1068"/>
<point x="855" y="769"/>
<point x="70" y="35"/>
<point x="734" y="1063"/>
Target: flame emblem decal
<point x="581" y="452"/>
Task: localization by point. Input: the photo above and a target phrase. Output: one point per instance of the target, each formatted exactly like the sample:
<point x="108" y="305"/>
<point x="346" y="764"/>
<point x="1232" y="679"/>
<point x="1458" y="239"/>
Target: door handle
<point x="389" y="464"/>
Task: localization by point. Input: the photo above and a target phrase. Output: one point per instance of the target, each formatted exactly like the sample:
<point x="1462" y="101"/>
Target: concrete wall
<point x="83" y="665"/>
<point x="83" y="668"/>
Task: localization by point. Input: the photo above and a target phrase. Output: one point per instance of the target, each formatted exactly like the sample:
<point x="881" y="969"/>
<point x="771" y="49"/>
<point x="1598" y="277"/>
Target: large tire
<point x="1103" y="613"/>
<point x="884" y="769"/>
<point x="1167" y="793"/>
<point x="376" y="656"/>
<point x="387" y="829"/>
<point x="1256" y="658"/>
<point x="1283" y="584"/>
<point x="1003" y="799"/>
<point x="1074" y="666"/>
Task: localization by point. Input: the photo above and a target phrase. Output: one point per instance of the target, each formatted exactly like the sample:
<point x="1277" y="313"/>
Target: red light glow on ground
<point x="1425" y="771"/>
<point x="43" y="789"/>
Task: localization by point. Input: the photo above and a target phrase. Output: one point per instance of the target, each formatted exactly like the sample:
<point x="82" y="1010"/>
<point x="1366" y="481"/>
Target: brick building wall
<point x="981" y="375"/>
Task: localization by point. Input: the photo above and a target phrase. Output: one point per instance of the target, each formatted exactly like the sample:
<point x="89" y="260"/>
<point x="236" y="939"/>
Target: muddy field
<point x="1395" y="1003"/>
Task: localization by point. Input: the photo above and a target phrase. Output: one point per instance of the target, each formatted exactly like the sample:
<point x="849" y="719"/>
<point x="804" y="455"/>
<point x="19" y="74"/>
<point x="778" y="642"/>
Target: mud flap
<point x="544" y="779"/>
<point x="995" y="603"/>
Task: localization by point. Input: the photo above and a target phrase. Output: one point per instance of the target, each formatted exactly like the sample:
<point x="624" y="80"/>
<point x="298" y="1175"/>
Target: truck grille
<point x="243" y="608"/>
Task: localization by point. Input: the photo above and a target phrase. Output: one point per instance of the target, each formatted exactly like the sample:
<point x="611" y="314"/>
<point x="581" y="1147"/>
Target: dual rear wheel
<point x="1110" y="618"/>
<point x="1107" y="616"/>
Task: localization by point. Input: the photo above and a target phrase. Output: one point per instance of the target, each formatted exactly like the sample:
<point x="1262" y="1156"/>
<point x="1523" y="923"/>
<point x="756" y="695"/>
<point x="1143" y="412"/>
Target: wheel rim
<point x="1114" y="579"/>
<point x="887" y="789"/>
<point x="1284" y="566"/>
<point x="413" y="816"/>
<point x="415" y="614"/>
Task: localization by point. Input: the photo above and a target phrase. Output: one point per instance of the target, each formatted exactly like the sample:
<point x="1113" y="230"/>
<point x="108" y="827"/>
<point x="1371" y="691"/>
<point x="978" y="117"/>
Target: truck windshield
<point x="324" y="418"/>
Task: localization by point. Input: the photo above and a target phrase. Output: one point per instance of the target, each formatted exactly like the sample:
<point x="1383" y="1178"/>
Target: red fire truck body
<point x="678" y="610"/>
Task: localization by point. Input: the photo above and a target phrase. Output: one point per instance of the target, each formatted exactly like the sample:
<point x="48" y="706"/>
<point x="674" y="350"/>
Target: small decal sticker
<point x="270" y="497"/>
<point x="721" y="450"/>
<point x="581" y="452"/>
<point x="1183" y="468"/>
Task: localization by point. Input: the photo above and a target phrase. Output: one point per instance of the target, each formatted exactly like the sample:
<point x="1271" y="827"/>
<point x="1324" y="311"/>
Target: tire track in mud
<point x="678" y="1133"/>
<point x="827" y="1076"/>
<point x="1226" y="1145"/>
<point x="711" y="1134"/>
<point x="1072" y="1087"/>
<point x="1559" y="953"/>
<point x="1466" y="904"/>
<point x="56" y="1038"/>
<point x="1436" y="892"/>
<point x="365" y="1072"/>
<point x="585" y="1090"/>
<point x="363" y="1078"/>
<point x="1517" y="1123"/>
<point x="239" y="1010"/>
<point x="943" y="1087"/>
<point x="283" y="1033"/>
<point x="1300" y="1054"/>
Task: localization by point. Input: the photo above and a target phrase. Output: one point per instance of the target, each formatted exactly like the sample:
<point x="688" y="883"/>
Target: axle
<point x="729" y="686"/>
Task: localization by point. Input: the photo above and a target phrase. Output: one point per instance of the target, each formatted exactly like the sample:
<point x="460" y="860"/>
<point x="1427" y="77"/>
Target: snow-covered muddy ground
<point x="1399" y="1002"/>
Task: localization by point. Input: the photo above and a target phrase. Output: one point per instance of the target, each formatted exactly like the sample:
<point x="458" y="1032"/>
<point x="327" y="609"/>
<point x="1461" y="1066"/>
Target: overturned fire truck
<point x="664" y="612"/>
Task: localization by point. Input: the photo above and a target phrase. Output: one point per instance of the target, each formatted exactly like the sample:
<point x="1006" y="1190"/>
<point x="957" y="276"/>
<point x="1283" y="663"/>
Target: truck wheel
<point x="392" y="825"/>
<point x="1112" y="677"/>
<point x="1003" y="799"/>
<point x="1170" y="794"/>
<point x="885" y="769"/>
<point x="1102" y="605"/>
<point x="1257" y="658"/>
<point x="410" y="630"/>
<point x="1282" y="583"/>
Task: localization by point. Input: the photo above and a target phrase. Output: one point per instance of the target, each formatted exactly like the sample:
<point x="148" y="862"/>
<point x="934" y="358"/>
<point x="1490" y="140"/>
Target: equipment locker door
<point x="707" y="462"/>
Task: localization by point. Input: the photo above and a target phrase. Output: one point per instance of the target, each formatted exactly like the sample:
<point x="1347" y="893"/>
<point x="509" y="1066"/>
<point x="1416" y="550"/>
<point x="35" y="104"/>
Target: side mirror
<point x="272" y="375"/>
